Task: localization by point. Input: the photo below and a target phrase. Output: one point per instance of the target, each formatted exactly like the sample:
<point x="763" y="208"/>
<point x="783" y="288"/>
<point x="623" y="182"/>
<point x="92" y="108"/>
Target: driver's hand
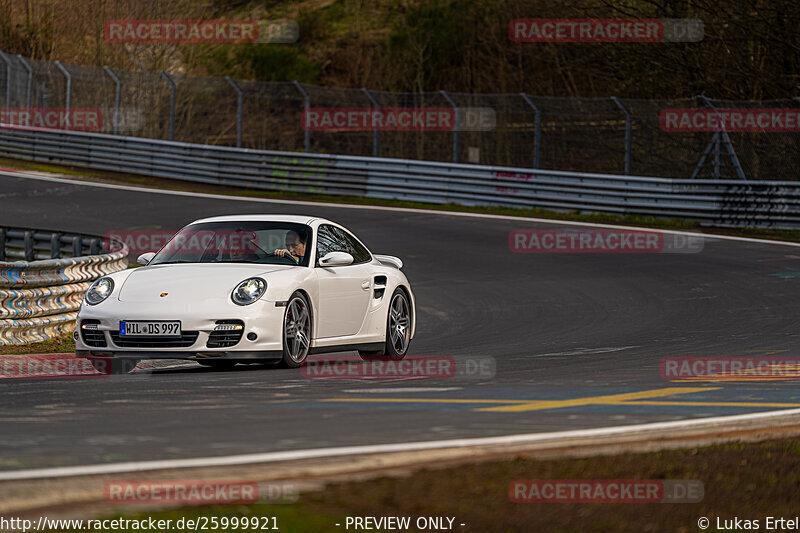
<point x="286" y="255"/>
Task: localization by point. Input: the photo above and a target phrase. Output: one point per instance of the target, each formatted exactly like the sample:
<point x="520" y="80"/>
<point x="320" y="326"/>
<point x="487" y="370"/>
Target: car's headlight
<point x="99" y="291"/>
<point x="249" y="291"/>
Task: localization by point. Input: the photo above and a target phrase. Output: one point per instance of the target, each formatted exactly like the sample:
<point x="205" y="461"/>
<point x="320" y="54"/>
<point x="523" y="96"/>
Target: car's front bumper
<point x="97" y="331"/>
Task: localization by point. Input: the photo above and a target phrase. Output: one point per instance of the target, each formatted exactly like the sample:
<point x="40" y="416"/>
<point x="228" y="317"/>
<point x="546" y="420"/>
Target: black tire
<point x="296" y="331"/>
<point x="111" y="365"/>
<point x="221" y="364"/>
<point x="398" y="330"/>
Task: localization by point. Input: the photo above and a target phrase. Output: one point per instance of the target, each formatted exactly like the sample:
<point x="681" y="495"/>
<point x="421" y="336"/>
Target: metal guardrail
<point x="733" y="203"/>
<point x="40" y="298"/>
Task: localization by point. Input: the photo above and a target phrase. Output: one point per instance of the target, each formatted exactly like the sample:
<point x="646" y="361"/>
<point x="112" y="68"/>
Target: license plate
<point x="141" y="328"/>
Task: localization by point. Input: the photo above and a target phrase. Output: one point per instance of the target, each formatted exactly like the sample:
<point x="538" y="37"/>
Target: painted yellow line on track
<point x="597" y="400"/>
<point x="516" y="406"/>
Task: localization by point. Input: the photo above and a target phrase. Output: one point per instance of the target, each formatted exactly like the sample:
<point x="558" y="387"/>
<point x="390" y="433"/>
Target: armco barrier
<point x="41" y="298"/>
<point x="774" y="204"/>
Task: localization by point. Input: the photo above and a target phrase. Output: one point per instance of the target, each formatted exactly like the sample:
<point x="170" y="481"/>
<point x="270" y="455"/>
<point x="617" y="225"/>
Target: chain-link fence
<point x="605" y="135"/>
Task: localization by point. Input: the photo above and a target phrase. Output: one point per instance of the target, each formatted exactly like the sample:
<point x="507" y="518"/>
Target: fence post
<point x="455" y="129"/>
<point x="376" y="105"/>
<point x="171" y="104"/>
<point x="68" y="96"/>
<point x="117" y="91"/>
<point x="2" y="244"/>
<point x="7" y="61"/>
<point x="29" y="86"/>
<point x="306" y="105"/>
<point x="628" y="134"/>
<point x="239" y="109"/>
<point x="716" y="139"/>
<point x="537" y="129"/>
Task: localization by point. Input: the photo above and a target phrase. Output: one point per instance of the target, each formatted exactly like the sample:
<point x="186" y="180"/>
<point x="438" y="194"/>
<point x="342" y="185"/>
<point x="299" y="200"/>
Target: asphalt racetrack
<point x="576" y="341"/>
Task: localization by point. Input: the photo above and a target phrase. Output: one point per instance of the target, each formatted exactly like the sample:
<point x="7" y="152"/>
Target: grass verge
<point x="61" y="344"/>
<point x="746" y="480"/>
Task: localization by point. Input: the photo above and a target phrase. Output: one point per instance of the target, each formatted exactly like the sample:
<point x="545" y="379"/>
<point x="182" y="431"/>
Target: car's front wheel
<point x="296" y="331"/>
<point x="111" y="365"/>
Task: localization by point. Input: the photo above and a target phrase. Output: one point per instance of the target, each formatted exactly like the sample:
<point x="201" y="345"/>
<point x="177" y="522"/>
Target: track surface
<point x="560" y="327"/>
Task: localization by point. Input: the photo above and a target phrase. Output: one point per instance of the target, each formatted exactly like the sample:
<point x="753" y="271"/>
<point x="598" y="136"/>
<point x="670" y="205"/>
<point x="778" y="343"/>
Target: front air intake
<point x="226" y="334"/>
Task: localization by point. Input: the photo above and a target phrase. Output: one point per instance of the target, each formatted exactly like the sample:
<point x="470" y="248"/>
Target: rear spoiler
<point x="390" y="260"/>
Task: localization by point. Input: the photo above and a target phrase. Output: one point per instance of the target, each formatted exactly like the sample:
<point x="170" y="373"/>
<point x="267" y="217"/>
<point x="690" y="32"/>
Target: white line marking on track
<point x="271" y="457"/>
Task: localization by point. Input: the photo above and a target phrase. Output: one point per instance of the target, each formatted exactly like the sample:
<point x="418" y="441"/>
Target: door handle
<point x="365" y="284"/>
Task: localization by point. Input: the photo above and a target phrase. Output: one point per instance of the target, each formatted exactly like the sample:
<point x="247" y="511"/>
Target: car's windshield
<point x="279" y="243"/>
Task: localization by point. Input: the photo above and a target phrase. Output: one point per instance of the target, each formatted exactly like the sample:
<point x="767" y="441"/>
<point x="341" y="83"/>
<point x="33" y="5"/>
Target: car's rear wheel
<point x="296" y="331"/>
<point x="222" y="364"/>
<point x="398" y="330"/>
<point x="111" y="365"/>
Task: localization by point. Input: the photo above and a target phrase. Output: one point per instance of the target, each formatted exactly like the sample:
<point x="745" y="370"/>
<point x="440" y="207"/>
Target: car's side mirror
<point x="144" y="259"/>
<point x="336" y="259"/>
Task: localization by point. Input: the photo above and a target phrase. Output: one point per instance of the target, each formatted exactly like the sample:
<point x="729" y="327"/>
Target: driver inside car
<point x="295" y="247"/>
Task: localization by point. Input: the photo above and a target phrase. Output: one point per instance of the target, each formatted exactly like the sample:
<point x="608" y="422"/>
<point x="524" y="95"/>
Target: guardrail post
<point x="628" y="134"/>
<point x="239" y="110"/>
<point x="77" y="246"/>
<point x="68" y="96"/>
<point x="376" y="106"/>
<point x="29" y="85"/>
<point x="306" y="106"/>
<point x="96" y="246"/>
<point x="30" y="251"/>
<point x="2" y="244"/>
<point x="537" y="129"/>
<point x="55" y="246"/>
<point x="455" y="129"/>
<point x="171" y="104"/>
<point x="7" y="61"/>
<point x="117" y="92"/>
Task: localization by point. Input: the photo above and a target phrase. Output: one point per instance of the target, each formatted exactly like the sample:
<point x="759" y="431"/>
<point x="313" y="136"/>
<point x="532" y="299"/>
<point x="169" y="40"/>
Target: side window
<point x="359" y="253"/>
<point x="327" y="241"/>
<point x="333" y="239"/>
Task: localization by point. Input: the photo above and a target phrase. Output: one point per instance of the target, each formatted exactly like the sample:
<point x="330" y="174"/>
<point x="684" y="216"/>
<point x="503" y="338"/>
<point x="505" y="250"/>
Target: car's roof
<point x="294" y="219"/>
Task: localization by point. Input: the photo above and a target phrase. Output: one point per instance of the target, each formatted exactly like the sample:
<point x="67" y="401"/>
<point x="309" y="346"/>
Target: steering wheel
<point x="292" y="260"/>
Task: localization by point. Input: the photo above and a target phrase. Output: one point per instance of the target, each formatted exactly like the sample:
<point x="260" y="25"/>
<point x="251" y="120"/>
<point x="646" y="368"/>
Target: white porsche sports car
<point x="248" y="289"/>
